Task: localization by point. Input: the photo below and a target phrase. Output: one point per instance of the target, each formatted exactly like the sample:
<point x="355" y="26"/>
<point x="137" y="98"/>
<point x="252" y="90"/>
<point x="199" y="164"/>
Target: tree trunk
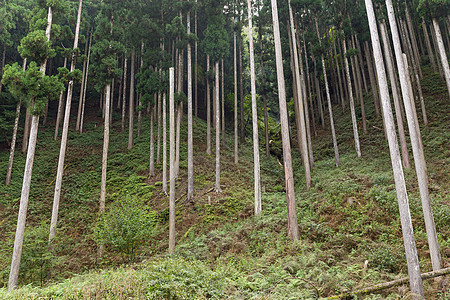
<point x="390" y="64"/>
<point x="287" y="160"/>
<point x="140" y="95"/>
<point x="217" y="188"/>
<point x="264" y="96"/>
<point x="62" y="151"/>
<point x="124" y="101"/>
<point x="158" y="141"/>
<point x="14" y="136"/>
<point x="428" y="44"/>
<point x="301" y="108"/>
<point x="236" y="145"/>
<point x="442" y="53"/>
<point x="131" y="110"/>
<point x="352" y="104"/>
<point x="411" y="253"/>
<point x="60" y="105"/>
<point x="172" y="158"/>
<point x="330" y="109"/>
<point x="26" y="130"/>
<point x="223" y="103"/>
<point x="85" y="85"/>
<point x="373" y="81"/>
<point x="241" y="90"/>
<point x="412" y="38"/>
<point x="3" y="65"/>
<point x="196" y="64"/>
<point x="256" y="163"/>
<point x="178" y="135"/>
<point x="361" y="64"/>
<point x="341" y="91"/>
<point x="190" y="159"/>
<point x="21" y="220"/>
<point x="208" y="110"/>
<point x="164" y="141"/>
<point x="80" y="102"/>
<point x="361" y="96"/>
<point x="151" y="171"/>
<point x="105" y="149"/>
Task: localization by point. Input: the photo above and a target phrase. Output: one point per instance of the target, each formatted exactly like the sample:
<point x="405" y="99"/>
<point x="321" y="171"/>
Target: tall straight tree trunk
<point x="414" y="133"/>
<point x="190" y="159"/>
<point x="140" y="95"/>
<point x="21" y="219"/>
<point x="105" y="148"/>
<point x="287" y="160"/>
<point x="14" y="136"/>
<point x="402" y="197"/>
<point x="241" y="90"/>
<point x="393" y="80"/>
<point x="412" y="38"/>
<point x="151" y="170"/>
<point x="436" y="48"/>
<point x="442" y="53"/>
<point x="124" y="101"/>
<point x="85" y="86"/>
<point x="196" y="64"/>
<point x="301" y="108"/>
<point x="217" y="188"/>
<point x="309" y="86"/>
<point x="208" y="110"/>
<point x="177" y="142"/>
<point x="119" y="98"/>
<point x="158" y="141"/>
<point x="60" y="104"/>
<point x="373" y="81"/>
<point x="77" y="127"/>
<point x="330" y="109"/>
<point x="26" y="130"/>
<point x="341" y="91"/>
<point x="172" y="158"/>
<point x="264" y="96"/>
<point x="352" y="104"/>
<point x="62" y="151"/>
<point x="164" y="141"/>
<point x="361" y="64"/>
<point x="256" y="164"/>
<point x="131" y="110"/>
<point x="361" y="96"/>
<point x="428" y="44"/>
<point x="295" y="91"/>
<point x="223" y="103"/>
<point x="236" y="145"/>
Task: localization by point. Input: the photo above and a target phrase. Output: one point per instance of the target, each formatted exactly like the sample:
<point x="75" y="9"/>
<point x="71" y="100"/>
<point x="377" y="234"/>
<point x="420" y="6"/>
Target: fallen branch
<point x="386" y="285"/>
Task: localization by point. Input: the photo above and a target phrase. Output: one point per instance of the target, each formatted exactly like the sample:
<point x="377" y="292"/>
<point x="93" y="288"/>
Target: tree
<point x="257" y="177"/>
<point x="62" y="153"/>
<point x="287" y="160"/>
<point x="400" y="186"/>
<point x="172" y="162"/>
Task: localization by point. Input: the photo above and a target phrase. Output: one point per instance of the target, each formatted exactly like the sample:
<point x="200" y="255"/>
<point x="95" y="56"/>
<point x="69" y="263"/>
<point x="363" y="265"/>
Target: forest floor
<point x="350" y="234"/>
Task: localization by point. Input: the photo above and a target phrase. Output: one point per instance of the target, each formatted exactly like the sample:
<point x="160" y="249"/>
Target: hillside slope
<point x="348" y="217"/>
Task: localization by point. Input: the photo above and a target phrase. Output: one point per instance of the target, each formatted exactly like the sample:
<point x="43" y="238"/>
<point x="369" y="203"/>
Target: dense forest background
<point x="223" y="149"/>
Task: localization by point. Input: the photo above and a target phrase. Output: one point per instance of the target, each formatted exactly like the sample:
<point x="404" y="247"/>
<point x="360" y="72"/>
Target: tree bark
<point x="217" y="188"/>
<point x="140" y="95"/>
<point x="208" y="110"/>
<point x="14" y="136"/>
<point x="151" y="171"/>
<point x="105" y="149"/>
<point x="3" y="65"/>
<point x="26" y="130"/>
<point x="131" y="106"/>
<point x="60" y="105"/>
<point x="361" y="96"/>
<point x="442" y="53"/>
<point x="236" y="144"/>
<point x="172" y="158"/>
<point x="256" y="164"/>
<point x="241" y="90"/>
<point x="190" y="159"/>
<point x="158" y="141"/>
<point x="164" y="141"/>
<point x="80" y="102"/>
<point x="223" y="103"/>
<point x="124" y="101"/>
<point x="287" y="160"/>
<point x="264" y="96"/>
<point x="352" y="104"/>
<point x="196" y="64"/>
<point x="390" y="64"/>
<point x="428" y="44"/>
<point x="62" y="151"/>
<point x="330" y="109"/>
<point x="177" y="142"/>
<point x="301" y="108"/>
<point x="373" y="81"/>
<point x="85" y="85"/>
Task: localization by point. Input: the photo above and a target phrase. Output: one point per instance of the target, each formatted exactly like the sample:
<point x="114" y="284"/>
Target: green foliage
<point x="36" y="47"/>
<point x="215" y="42"/>
<point x="126" y="226"/>
<point x="31" y="86"/>
<point x="433" y="8"/>
<point x="386" y="258"/>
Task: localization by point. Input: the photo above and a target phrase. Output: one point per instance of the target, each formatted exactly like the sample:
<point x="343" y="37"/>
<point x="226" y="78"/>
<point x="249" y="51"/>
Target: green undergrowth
<point x="349" y="226"/>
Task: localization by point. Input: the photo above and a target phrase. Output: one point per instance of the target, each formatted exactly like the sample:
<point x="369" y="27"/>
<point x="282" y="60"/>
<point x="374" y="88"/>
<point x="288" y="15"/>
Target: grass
<point x="349" y="216"/>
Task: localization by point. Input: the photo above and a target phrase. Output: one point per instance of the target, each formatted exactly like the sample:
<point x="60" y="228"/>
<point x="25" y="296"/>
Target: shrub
<point x="126" y="226"/>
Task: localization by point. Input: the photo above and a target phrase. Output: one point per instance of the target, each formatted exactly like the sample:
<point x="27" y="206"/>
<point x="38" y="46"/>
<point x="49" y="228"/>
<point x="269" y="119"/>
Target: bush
<point x="126" y="226"/>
